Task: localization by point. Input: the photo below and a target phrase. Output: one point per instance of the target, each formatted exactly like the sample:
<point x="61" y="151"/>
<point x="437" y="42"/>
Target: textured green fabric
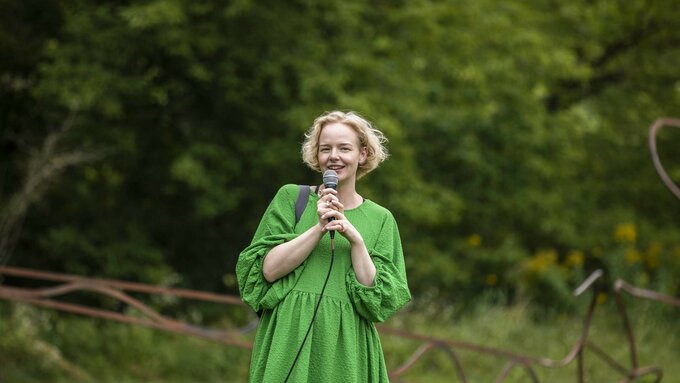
<point x="343" y="345"/>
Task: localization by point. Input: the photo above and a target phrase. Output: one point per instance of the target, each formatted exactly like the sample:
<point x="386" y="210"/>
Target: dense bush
<point x="517" y="133"/>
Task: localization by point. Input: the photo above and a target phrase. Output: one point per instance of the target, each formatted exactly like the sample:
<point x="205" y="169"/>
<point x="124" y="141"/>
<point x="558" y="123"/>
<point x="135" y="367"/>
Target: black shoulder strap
<point x="301" y="202"/>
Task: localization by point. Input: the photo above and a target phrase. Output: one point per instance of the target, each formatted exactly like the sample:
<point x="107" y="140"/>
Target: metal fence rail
<point x="528" y="362"/>
<point x="510" y="360"/>
<point x="119" y="290"/>
<point x="653" y="131"/>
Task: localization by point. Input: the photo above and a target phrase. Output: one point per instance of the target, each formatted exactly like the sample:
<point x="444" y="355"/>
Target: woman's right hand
<point x="327" y="202"/>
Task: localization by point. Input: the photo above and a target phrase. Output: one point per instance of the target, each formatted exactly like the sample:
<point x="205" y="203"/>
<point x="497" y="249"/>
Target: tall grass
<point x="39" y="345"/>
<point x="523" y="329"/>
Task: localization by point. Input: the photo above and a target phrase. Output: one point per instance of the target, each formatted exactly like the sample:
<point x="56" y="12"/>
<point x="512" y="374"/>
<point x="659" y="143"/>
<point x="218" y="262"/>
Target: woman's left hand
<point x="342" y="226"/>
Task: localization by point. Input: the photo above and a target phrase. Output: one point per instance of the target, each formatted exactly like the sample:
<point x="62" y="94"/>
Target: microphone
<point x="330" y="180"/>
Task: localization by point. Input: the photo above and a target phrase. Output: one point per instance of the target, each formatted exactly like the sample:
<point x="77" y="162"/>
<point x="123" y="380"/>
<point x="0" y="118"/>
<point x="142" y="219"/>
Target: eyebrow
<point x="340" y="144"/>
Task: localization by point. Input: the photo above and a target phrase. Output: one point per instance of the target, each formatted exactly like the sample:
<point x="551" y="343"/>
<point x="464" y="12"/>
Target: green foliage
<point x="38" y="346"/>
<point x="517" y="133"/>
<point x="520" y="329"/>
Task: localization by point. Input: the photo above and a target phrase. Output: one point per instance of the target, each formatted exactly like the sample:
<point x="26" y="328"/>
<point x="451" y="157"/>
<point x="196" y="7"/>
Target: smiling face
<point x="340" y="150"/>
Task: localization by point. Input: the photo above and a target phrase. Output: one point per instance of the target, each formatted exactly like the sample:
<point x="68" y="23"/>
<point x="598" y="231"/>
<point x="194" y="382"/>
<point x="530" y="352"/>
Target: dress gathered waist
<point x="342" y="298"/>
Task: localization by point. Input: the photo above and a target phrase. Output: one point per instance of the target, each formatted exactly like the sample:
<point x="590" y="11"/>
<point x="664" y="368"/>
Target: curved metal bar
<point x="458" y="344"/>
<point x="43" y="292"/>
<point x="577" y="351"/>
<point x="121" y="296"/>
<point x="512" y="365"/>
<point x="532" y="374"/>
<point x="129" y="286"/>
<point x="84" y="286"/>
<point x="424" y="348"/>
<point x="621" y="285"/>
<point x="607" y="359"/>
<point x="578" y="347"/>
<point x="224" y="337"/>
<point x="626" y="325"/>
<point x="658" y="124"/>
<point x="456" y="361"/>
<point x="250" y="326"/>
<point x="116" y="290"/>
<point x="649" y="371"/>
<point x="588" y="282"/>
<point x="506" y="371"/>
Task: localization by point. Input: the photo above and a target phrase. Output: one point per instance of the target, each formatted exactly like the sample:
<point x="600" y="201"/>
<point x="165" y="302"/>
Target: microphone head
<point x="330" y="179"/>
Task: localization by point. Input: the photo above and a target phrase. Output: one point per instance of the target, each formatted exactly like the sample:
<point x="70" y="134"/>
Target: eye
<point x="324" y="150"/>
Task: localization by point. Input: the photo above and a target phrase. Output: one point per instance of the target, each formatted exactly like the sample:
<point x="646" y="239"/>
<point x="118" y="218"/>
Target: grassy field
<point x="522" y="330"/>
<point x="39" y="345"/>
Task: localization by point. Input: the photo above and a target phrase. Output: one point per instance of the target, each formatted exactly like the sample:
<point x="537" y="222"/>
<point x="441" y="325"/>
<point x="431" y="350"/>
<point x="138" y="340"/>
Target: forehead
<point x="337" y="133"/>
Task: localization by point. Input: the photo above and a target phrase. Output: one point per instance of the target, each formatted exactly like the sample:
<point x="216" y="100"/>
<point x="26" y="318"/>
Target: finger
<point x="331" y="198"/>
<point x="334" y="213"/>
<point x="322" y="211"/>
<point x="325" y="202"/>
<point x="333" y="205"/>
<point x="328" y="191"/>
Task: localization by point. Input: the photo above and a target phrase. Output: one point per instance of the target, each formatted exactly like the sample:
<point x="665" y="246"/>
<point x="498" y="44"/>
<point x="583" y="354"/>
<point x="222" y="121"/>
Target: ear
<point x="363" y="155"/>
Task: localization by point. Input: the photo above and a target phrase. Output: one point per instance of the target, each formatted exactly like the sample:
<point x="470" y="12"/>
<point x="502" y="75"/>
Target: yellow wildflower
<point x="491" y="279"/>
<point x="575" y="258"/>
<point x="601" y="298"/>
<point x="474" y="240"/>
<point x="632" y="256"/>
<point x="542" y="260"/>
<point x="625" y="233"/>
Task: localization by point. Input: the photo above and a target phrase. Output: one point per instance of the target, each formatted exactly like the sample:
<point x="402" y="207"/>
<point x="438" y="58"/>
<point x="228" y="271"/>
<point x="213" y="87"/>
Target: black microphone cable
<point x="330" y="180"/>
<point x="315" y="309"/>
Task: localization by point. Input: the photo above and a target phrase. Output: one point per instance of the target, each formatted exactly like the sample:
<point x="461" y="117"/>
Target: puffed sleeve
<point x="276" y="227"/>
<point x="389" y="291"/>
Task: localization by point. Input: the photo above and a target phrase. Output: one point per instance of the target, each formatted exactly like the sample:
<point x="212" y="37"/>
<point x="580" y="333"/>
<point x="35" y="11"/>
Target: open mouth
<point x="336" y="167"/>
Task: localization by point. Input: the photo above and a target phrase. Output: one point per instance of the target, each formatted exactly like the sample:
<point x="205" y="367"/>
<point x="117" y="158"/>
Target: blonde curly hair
<point x="369" y="137"/>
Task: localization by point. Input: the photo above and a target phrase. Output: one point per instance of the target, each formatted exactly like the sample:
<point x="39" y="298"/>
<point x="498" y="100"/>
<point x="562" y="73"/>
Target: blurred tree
<point x="514" y="128"/>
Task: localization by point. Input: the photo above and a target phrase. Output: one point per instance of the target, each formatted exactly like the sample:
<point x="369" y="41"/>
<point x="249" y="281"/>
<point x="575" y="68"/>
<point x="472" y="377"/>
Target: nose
<point x="334" y="154"/>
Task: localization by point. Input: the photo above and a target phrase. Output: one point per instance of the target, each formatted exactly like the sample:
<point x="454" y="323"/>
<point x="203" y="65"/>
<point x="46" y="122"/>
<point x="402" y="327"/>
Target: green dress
<point x="343" y="345"/>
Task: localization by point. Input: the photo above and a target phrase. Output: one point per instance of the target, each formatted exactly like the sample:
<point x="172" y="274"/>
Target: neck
<point x="348" y="195"/>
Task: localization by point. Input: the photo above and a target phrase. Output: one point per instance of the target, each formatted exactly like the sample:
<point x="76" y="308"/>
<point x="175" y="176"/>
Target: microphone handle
<point x="331" y="219"/>
<point x="332" y="232"/>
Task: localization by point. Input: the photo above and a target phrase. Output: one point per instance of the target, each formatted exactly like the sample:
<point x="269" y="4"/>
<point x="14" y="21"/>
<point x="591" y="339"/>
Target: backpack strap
<point x="301" y="202"/>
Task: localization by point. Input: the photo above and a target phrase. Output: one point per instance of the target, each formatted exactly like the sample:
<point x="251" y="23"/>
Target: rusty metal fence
<point x="120" y="290"/>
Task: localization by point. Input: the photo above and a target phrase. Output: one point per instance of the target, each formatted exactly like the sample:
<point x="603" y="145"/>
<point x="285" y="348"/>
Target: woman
<point x="282" y="272"/>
